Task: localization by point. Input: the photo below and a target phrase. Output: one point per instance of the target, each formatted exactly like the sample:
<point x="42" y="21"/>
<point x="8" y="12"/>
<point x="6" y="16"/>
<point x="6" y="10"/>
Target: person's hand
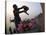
<point x="26" y="13"/>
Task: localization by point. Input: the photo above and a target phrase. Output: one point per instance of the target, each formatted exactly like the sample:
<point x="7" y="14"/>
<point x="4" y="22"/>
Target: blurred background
<point x="36" y="10"/>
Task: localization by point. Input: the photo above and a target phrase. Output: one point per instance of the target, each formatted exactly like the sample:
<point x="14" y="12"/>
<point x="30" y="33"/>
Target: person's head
<point x="15" y="6"/>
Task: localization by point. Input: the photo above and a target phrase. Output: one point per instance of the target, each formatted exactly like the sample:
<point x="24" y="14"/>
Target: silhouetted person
<point x="16" y="15"/>
<point x="16" y="12"/>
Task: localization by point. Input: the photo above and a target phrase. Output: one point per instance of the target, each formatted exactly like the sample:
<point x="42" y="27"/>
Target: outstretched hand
<point x="26" y="9"/>
<point x="26" y="13"/>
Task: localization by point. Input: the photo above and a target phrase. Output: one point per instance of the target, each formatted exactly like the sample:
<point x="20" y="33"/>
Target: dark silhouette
<point x="25" y="9"/>
<point x="10" y="30"/>
<point x="16" y="13"/>
<point x="14" y="31"/>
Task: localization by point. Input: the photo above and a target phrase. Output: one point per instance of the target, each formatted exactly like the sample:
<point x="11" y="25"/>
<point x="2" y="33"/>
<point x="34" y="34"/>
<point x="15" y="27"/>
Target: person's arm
<point x="21" y="11"/>
<point x="24" y="12"/>
<point x="12" y="20"/>
<point x="20" y="8"/>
